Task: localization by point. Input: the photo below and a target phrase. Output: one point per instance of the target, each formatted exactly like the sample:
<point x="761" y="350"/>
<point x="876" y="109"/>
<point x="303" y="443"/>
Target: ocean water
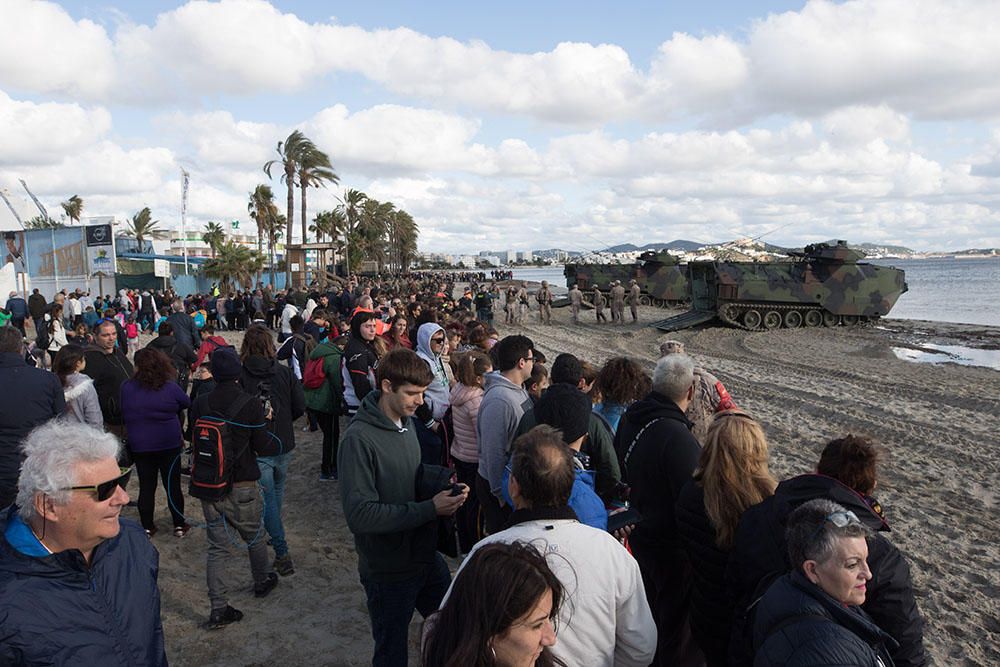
<point x="941" y="290"/>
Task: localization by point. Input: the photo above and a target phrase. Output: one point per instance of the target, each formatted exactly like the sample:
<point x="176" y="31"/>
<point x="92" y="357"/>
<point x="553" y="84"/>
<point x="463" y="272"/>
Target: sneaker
<point x="186" y="471"/>
<point x="181" y="531"/>
<point x="328" y="476"/>
<point x="150" y="532"/>
<point x="283" y="565"/>
<point x="223" y="617"/>
<point x="264" y="589"/>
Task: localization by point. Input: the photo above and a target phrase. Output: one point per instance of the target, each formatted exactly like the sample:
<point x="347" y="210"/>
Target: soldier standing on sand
<point x="599" y="302"/>
<point x="575" y="300"/>
<point x="633" y="300"/>
<point x="522" y="302"/>
<point x="544" y="298"/>
<point x="618" y="303"/>
<point x="510" y="305"/>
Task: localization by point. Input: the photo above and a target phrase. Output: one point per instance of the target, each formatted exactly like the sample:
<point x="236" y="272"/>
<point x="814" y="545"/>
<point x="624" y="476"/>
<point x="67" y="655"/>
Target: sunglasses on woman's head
<point x="105" y="490"/>
<point x="840" y="519"/>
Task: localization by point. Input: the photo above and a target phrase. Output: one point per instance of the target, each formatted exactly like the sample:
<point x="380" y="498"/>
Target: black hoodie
<point x="268" y="379"/>
<point x="761" y="551"/>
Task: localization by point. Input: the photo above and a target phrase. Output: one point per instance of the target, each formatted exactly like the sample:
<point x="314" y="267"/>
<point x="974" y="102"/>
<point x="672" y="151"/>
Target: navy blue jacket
<point x="31" y="398"/>
<point x="57" y="610"/>
<point x="798" y="625"/>
<point x="184" y="330"/>
<point x="17" y="307"/>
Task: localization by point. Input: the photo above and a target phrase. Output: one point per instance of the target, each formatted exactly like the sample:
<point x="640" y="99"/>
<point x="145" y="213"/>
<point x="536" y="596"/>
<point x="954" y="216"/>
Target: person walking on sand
<point x="618" y="303"/>
<point x="575" y="301"/>
<point x="544" y="298"/>
<point x="391" y="502"/>
<point x="510" y="306"/>
<point x="633" y="300"/>
<point x="599" y="303"/>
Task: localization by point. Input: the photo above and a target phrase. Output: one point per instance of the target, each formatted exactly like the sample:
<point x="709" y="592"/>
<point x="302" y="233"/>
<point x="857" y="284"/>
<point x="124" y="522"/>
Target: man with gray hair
<point x="710" y="395"/>
<point x="77" y="582"/>
<point x="658" y="454"/>
<point x="185" y="330"/>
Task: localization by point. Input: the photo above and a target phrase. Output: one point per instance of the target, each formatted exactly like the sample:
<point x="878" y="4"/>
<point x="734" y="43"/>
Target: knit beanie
<point x="226" y="364"/>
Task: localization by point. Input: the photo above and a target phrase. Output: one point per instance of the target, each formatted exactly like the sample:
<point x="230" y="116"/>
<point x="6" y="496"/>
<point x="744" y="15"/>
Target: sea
<point x="943" y="289"/>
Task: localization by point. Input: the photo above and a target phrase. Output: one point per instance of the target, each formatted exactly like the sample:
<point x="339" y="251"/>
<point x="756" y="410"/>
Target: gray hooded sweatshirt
<point x="502" y="407"/>
<point x="438" y="393"/>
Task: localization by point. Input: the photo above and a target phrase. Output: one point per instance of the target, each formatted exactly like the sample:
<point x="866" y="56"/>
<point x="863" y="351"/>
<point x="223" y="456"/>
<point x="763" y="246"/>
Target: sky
<point x="523" y="125"/>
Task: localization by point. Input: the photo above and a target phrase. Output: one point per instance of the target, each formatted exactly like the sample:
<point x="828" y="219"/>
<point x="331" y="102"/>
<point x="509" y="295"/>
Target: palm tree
<point x="142" y="225"/>
<point x="214" y="236"/>
<point x="327" y="223"/>
<point x="39" y="222"/>
<point x="289" y="153"/>
<point x="262" y="211"/>
<point x="350" y="205"/>
<point x="235" y="263"/>
<point x="73" y="208"/>
<point x="374" y="228"/>
<point x="403" y="233"/>
<point x="314" y="170"/>
<point x="274" y="229"/>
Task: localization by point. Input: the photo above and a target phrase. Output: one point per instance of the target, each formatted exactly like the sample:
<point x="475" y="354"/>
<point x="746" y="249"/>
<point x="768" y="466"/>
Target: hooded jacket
<point x="465" y="402"/>
<point x="663" y="456"/>
<point x="58" y="610"/>
<point x="437" y="396"/>
<point x="267" y="378"/>
<point x="760" y="550"/>
<point x="358" y="370"/>
<point x="500" y="411"/>
<point x="81" y="400"/>
<point x="177" y="351"/>
<point x="329" y="396"/>
<point x="395" y="535"/>
<point x="209" y="344"/>
<point x="799" y="625"/>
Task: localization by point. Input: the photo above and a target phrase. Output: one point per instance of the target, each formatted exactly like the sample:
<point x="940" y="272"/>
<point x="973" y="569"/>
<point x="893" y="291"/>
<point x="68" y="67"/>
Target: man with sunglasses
<point x="77" y="582"/>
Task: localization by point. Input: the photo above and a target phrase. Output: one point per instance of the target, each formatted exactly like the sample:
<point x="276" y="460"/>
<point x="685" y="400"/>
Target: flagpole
<point x="184" y="197"/>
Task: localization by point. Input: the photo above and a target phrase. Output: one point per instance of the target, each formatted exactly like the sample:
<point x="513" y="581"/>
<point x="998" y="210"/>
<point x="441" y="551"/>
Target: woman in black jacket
<point x="732" y="475"/>
<point x="811" y="616"/>
<point x="283" y="402"/>
<point x="360" y="360"/>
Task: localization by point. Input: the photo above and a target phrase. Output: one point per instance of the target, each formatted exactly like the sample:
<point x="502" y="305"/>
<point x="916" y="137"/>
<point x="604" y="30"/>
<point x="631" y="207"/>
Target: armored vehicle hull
<point x="823" y="286"/>
<point x="662" y="279"/>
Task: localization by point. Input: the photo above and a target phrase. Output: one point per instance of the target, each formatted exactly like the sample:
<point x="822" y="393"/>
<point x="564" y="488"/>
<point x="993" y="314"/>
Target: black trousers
<point x="494" y="514"/>
<point x="467" y="516"/>
<point x="149" y="465"/>
<point x="329" y="423"/>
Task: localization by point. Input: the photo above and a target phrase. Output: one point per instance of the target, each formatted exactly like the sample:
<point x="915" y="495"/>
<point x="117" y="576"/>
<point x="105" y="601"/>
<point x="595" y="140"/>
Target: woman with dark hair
<point x="360" y="360"/>
<point x="501" y="611"/>
<point x="853" y="460"/>
<point x="152" y="403"/>
<point x="397" y="335"/>
<point x="56" y="330"/>
<point x="81" y="396"/>
<point x="732" y="475"/>
<point x="283" y="401"/>
<point x="470" y="371"/>
<point x="620" y="383"/>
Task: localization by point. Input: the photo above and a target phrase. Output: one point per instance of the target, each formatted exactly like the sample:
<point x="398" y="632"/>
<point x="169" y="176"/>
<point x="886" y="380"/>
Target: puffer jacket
<point x="81" y="400"/>
<point x="464" y="414"/>
<point x="106" y="613"/>
<point x="798" y="625"/>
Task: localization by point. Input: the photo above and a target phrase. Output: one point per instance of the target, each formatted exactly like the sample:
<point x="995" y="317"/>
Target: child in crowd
<point x="132" y="334"/>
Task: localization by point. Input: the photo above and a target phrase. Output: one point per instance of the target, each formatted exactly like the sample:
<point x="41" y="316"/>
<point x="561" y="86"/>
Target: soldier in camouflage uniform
<point x="633" y="300"/>
<point x="710" y="396"/>
<point x="544" y="298"/>
<point x="618" y="303"/>
<point x="599" y="302"/>
<point x="522" y="302"/>
<point x="575" y="301"/>
<point x="511" y="306"/>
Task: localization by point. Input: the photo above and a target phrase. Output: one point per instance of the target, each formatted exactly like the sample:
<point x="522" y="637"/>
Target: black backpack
<point x="212" y="454"/>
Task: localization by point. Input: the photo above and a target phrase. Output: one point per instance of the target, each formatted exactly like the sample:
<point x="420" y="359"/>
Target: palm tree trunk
<point x="290" y="182"/>
<point x="305" y="227"/>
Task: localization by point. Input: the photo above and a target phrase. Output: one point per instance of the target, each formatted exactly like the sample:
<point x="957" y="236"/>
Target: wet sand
<point x="939" y="486"/>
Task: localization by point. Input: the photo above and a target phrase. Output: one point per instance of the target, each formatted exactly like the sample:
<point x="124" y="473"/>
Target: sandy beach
<point x="806" y="386"/>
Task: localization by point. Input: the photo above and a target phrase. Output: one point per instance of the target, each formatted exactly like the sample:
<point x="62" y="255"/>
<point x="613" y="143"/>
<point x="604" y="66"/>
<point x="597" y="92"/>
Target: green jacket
<point x="395" y="535"/>
<point x="330" y="396"/>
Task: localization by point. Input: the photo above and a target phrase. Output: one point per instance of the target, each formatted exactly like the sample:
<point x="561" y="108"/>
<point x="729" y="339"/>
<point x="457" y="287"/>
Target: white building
<point x="525" y="256"/>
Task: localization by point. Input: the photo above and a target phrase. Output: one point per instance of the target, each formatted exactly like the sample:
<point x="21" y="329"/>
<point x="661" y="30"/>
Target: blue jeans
<point x="391" y="605"/>
<point x="273" y="473"/>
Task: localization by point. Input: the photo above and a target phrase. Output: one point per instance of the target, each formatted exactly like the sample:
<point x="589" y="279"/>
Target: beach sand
<point x="806" y="386"/>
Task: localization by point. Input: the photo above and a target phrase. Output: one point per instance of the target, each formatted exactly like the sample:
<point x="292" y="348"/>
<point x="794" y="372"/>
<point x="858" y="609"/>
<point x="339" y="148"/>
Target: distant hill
<point x="679" y="244"/>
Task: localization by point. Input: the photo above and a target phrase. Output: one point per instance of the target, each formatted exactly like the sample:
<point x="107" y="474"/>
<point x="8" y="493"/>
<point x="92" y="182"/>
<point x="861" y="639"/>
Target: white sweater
<point x="604" y="619"/>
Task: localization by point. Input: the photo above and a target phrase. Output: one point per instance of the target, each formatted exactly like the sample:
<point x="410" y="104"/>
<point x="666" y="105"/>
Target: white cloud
<point x="33" y="133"/>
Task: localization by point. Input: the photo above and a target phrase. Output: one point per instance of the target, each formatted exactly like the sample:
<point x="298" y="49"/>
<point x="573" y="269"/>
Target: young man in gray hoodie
<point x="395" y="530"/>
<point x="502" y="407"/>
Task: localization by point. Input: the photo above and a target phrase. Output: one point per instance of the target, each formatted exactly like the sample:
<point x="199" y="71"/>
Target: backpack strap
<point x="638" y="435"/>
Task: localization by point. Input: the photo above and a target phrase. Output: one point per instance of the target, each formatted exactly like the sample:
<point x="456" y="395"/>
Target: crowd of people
<point x="604" y="515"/>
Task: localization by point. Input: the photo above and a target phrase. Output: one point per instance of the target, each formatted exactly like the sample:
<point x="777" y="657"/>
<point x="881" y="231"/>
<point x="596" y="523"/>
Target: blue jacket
<point x="31" y="398"/>
<point x="55" y="610"/>
<point x="583" y="500"/>
<point x="17" y="307"/>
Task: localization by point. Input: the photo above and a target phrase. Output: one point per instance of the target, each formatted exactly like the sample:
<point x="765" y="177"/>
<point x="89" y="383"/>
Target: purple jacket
<point x="152" y="416"/>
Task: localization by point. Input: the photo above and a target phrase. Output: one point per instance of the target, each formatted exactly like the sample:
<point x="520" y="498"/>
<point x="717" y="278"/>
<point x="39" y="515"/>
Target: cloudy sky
<point x="570" y="124"/>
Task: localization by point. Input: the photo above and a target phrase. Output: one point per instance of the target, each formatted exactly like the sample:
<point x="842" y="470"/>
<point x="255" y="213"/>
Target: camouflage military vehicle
<point x="585" y="276"/>
<point x="662" y="279"/>
<point x="825" y="285"/>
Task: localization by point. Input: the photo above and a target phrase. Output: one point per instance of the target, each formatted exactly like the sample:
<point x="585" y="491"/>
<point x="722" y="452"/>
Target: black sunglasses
<point x="105" y="490"/>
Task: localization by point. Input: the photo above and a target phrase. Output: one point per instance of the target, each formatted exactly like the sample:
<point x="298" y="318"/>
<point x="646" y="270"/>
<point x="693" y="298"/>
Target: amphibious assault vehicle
<point x="659" y="275"/>
<point x="825" y="285"/>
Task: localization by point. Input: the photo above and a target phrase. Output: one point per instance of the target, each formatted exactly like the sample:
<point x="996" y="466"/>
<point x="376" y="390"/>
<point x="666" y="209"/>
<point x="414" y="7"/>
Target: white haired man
<point x="658" y="454"/>
<point x="77" y="582"/>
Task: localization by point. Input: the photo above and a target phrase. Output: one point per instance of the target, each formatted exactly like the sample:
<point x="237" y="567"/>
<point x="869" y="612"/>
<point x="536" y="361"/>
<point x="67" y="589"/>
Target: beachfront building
<point x="525" y="256"/>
